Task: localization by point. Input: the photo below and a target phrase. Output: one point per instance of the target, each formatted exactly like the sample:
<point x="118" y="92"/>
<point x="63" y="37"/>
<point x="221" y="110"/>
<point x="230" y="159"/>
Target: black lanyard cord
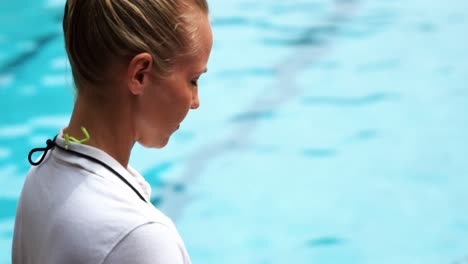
<point x="51" y="144"/>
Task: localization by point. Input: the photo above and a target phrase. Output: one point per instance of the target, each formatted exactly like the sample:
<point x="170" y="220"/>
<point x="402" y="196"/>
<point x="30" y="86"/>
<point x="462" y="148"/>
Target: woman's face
<point x="165" y="102"/>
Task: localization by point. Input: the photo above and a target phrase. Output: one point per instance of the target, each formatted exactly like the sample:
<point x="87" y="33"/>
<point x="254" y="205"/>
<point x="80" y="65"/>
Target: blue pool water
<point x="328" y="132"/>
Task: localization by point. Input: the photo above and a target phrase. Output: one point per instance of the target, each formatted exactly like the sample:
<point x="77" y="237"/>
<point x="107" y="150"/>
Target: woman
<point x="135" y="65"/>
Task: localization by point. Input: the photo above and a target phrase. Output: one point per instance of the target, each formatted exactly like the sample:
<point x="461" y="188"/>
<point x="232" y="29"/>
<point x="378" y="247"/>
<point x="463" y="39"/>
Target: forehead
<point x="206" y="34"/>
<point x="202" y="42"/>
<point x="203" y="39"/>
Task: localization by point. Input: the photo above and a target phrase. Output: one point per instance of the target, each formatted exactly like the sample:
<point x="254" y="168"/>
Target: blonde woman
<point x="135" y="65"/>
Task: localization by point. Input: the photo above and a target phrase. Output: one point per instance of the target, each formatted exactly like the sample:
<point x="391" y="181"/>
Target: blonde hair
<point x="101" y="32"/>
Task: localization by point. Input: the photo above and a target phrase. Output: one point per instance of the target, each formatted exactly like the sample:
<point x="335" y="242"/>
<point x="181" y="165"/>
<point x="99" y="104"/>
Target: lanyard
<point x="51" y="144"/>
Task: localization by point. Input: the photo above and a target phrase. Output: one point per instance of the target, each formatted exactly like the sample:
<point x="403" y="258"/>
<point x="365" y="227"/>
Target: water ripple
<point x="348" y="101"/>
<point x="4" y="153"/>
<point x="39" y="43"/>
<point x="153" y="175"/>
<point x="313" y="36"/>
<point x="319" y="153"/>
<point x="6" y="79"/>
<point x="366" y="134"/>
<point x="8" y="208"/>
<point x="247" y="72"/>
<point x="230" y="21"/>
<point x="379" y="65"/>
<point x="286" y="8"/>
<point x="253" y="116"/>
<point x="324" y="241"/>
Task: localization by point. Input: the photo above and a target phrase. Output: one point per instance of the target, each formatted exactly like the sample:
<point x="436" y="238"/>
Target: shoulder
<point x="149" y="243"/>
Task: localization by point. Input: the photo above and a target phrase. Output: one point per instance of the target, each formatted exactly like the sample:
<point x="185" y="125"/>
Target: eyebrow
<point x="198" y="74"/>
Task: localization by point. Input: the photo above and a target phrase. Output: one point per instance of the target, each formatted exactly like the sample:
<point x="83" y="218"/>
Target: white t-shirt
<point x="74" y="210"/>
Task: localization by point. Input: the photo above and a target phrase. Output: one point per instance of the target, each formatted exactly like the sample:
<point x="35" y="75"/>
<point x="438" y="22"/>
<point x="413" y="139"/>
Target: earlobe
<point x="139" y="70"/>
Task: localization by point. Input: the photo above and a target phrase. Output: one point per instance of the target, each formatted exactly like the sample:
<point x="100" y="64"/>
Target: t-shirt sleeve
<point x="151" y="243"/>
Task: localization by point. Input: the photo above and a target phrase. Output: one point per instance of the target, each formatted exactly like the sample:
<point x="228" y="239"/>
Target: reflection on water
<point x="8" y="208"/>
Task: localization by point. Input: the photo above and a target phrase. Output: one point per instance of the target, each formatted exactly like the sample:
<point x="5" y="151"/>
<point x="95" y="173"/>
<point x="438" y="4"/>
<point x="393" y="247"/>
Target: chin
<point x="162" y="144"/>
<point x="158" y="143"/>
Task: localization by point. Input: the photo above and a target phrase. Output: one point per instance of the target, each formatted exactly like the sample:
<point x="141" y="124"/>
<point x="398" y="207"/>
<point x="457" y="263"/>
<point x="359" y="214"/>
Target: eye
<point x="194" y="82"/>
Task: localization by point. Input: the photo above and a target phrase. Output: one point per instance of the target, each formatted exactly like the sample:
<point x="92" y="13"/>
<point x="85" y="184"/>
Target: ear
<point x="139" y="70"/>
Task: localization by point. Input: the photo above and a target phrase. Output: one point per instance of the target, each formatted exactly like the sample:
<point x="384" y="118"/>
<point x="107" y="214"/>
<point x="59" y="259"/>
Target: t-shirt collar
<point x="130" y="174"/>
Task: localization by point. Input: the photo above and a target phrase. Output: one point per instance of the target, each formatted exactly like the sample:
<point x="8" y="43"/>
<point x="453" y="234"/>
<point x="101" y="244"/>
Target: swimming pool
<point x="328" y="132"/>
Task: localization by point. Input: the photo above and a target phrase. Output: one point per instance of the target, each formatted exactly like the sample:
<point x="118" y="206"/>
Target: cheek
<point x="166" y="109"/>
<point x="179" y="102"/>
<point x="148" y="111"/>
<point x="184" y="105"/>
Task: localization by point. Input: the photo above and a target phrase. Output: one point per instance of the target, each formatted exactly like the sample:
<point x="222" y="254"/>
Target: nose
<point x="195" y="100"/>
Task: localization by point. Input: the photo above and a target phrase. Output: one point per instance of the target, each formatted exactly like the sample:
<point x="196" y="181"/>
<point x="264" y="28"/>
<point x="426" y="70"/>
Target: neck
<point x="109" y="125"/>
